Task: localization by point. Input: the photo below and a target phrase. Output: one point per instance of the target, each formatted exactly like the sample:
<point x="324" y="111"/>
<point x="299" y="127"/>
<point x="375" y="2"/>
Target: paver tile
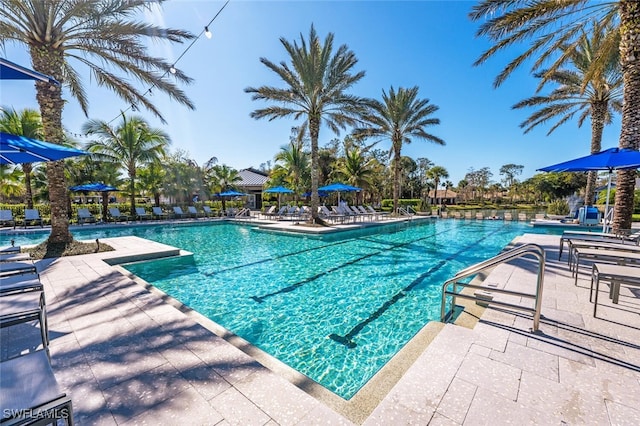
<point x="456" y="401"/>
<point x="237" y="409"/>
<point x="495" y="376"/>
<point x="528" y="359"/>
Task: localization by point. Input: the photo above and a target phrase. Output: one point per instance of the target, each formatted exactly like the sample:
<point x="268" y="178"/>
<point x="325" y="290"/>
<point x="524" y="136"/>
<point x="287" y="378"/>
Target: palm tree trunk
<point x="49" y="97"/>
<point x="314" y="130"/>
<point x="598" y="114"/>
<point x="26" y="169"/>
<point x="132" y="195"/>
<point x="629" y="136"/>
<point x="396" y="175"/>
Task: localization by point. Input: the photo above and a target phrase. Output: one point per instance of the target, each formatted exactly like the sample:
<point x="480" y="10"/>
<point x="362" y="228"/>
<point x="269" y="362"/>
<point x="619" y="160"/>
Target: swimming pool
<point x="335" y="308"/>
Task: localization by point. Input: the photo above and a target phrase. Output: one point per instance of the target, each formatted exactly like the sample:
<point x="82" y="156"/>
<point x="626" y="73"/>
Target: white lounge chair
<point x="84" y="216"/>
<point x="116" y="216"/>
<point x="141" y="214"/>
<point x="6" y="218"/>
<point x="508" y="216"/>
<point x="32" y="217"/>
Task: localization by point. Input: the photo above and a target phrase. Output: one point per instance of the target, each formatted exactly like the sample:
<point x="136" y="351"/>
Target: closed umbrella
<point x="610" y="159"/>
<point x="97" y="187"/>
<point x="21" y="149"/>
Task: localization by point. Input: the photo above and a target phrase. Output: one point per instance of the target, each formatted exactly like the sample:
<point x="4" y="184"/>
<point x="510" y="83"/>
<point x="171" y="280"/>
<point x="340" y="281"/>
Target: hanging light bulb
<point x="207" y="33"/>
<point x="172" y="70"/>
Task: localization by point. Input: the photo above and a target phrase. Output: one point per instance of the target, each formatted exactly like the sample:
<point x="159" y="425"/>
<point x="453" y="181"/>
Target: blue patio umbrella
<point x="278" y="190"/>
<point x="230" y="193"/>
<point x="12" y="71"/>
<point x="339" y="187"/>
<point x="609" y="160"/>
<point x="21" y="149"/>
<point x="97" y="187"/>
<point x="320" y="194"/>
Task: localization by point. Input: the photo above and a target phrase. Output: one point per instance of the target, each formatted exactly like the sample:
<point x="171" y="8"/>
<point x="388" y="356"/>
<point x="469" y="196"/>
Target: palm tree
<point x="292" y="167"/>
<point x="10" y="180"/>
<point x="131" y="144"/>
<point x="95" y="34"/>
<point x="553" y="24"/>
<point x="151" y="178"/>
<point x="595" y="94"/>
<point x="223" y="178"/>
<point x="24" y="123"/>
<point x="400" y="117"/>
<point x="317" y="82"/>
<point x="436" y="173"/>
<point x="355" y="168"/>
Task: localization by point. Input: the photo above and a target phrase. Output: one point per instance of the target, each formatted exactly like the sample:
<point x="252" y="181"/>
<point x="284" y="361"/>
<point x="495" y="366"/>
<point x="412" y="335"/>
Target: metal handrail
<point x="526" y="249"/>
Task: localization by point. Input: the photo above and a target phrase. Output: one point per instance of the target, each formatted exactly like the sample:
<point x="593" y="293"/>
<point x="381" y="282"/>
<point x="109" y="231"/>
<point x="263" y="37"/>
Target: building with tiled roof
<point x="252" y="182"/>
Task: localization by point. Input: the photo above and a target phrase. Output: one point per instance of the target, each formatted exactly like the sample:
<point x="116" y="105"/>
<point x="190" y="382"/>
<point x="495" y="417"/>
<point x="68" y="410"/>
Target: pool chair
<point x="116" y="216"/>
<point x="141" y="214"/>
<point x="178" y="213"/>
<point x="601" y="256"/>
<point x="522" y="216"/>
<point x="192" y="212"/>
<point x="508" y="216"/>
<point x="84" y="216"/>
<point x="10" y="249"/>
<point x="17" y="268"/>
<point x="14" y="257"/>
<point x="32" y="217"/>
<point x="623" y="238"/>
<point x="20" y="284"/>
<point x="617" y="275"/>
<point x="480" y="216"/>
<point x="207" y="211"/>
<point x="270" y="211"/>
<point x="467" y="215"/>
<point x="444" y="215"/>
<point x="6" y="218"/>
<point x="31" y="394"/>
<point x="25" y="307"/>
<point x="158" y="213"/>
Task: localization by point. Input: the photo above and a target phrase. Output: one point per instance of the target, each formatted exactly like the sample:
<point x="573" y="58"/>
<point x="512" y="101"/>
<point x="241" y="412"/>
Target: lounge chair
<point x="20" y="284"/>
<point x="522" y="216"/>
<point x="84" y="216"/>
<point x="30" y="392"/>
<point x="599" y="245"/>
<point x="456" y="215"/>
<point x="617" y="275"/>
<point x="270" y="211"/>
<point x="10" y="249"/>
<point x="599" y="256"/>
<point x="508" y="216"/>
<point x="207" y="211"/>
<point x="480" y="216"/>
<point x="116" y="216"/>
<point x="32" y="217"/>
<point x="624" y="237"/>
<point x="18" y="308"/>
<point x="17" y="268"/>
<point x="158" y="213"/>
<point x="193" y="212"/>
<point x="444" y="215"/>
<point x="325" y="213"/>
<point x="141" y="214"/>
<point x="14" y="257"/>
<point x="178" y="213"/>
<point x="6" y="218"/>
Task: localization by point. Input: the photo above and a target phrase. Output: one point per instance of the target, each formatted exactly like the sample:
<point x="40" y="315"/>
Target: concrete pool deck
<point x="128" y="356"/>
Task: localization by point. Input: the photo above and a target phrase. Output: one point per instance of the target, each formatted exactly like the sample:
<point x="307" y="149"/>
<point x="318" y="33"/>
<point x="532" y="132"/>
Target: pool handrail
<point x="517" y="252"/>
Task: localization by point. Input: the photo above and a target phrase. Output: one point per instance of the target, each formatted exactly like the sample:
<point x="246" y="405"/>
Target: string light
<point x="172" y="69"/>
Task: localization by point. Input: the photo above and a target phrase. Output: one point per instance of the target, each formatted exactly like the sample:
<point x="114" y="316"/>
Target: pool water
<point x="336" y="307"/>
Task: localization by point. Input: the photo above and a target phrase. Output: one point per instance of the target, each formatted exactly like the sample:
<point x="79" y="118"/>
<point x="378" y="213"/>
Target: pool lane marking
<point x="347" y="339"/>
<point x="392" y="246"/>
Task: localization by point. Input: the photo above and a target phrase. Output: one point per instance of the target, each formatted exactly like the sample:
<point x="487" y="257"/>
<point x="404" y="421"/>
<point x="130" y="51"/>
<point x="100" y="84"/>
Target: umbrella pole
<point x="606" y="208"/>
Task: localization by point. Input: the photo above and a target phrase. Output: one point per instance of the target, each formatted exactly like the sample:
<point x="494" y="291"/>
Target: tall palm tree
<point x="95" y="34"/>
<point x="223" y="178"/>
<point x="436" y="173"/>
<point x="24" y="123"/>
<point x="581" y="89"/>
<point x="553" y="24"/>
<point x="10" y="182"/>
<point x="400" y="117"/>
<point x="131" y="144"/>
<point x="151" y="178"/>
<point x="316" y="85"/>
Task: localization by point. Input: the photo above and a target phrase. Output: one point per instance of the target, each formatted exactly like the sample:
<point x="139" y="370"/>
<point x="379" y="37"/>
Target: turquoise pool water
<point x="337" y="307"/>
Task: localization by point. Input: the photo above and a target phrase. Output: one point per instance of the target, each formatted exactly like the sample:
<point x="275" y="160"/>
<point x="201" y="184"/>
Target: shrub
<point x="559" y="207"/>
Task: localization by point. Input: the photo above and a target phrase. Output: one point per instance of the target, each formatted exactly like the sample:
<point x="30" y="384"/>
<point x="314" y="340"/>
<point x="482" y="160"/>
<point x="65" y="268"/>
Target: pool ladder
<point x="524" y="250"/>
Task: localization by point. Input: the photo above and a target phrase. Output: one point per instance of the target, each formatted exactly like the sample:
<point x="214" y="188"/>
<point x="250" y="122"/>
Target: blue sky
<point x="430" y="44"/>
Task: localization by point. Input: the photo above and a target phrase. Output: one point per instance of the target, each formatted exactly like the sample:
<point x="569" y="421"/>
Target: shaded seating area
<point x="6" y="218"/>
<point x="32" y="218"/>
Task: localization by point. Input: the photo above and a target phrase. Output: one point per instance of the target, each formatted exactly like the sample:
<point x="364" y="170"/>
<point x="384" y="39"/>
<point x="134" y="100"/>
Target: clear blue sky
<point x="430" y="44"/>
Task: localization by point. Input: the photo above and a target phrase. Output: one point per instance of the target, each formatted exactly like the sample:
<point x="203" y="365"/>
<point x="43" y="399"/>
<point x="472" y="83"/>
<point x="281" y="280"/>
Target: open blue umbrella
<point x="339" y="187"/>
<point x="11" y="71"/>
<point x="610" y="159"/>
<point x="97" y="187"/>
<point x="21" y="149"/>
<point x="230" y="193"/>
<point x="278" y="190"/>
